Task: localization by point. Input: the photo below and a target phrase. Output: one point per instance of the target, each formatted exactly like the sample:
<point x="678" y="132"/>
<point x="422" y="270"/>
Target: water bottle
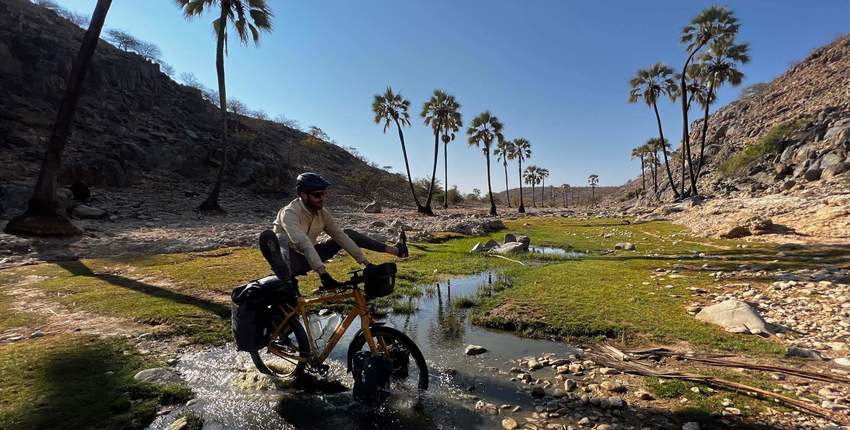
<point x="329" y="325"/>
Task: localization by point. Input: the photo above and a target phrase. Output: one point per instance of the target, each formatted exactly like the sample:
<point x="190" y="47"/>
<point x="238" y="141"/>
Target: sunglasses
<point x="317" y="194"/>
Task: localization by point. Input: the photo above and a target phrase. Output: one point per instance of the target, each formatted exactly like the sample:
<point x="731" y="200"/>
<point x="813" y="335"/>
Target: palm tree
<point x="505" y="151"/>
<point x="483" y="130"/>
<point x="712" y="24"/>
<point x="41" y="217"/>
<point x="566" y="188"/>
<point x="543" y="173"/>
<point x="521" y="151"/>
<point x="640" y="152"/>
<point x="648" y="85"/>
<point x="249" y="17"/>
<point x="718" y="66"/>
<point x="532" y="178"/>
<point x="593" y="181"/>
<point x="442" y="113"/>
<point x="392" y="107"/>
<point x="450" y="127"/>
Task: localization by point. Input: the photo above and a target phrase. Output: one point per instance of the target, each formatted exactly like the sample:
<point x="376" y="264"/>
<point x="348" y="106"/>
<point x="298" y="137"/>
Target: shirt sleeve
<point x="342" y="239"/>
<point x="299" y="237"/>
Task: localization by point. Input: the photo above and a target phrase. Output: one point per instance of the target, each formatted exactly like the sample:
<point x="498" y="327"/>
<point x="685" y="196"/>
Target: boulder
<point x="373" y="208"/>
<point x="835" y="170"/>
<point x="474" y="350"/>
<point x="787" y="185"/>
<point x="525" y="240"/>
<point x="628" y="246"/>
<point x="735" y="316"/>
<point x="737" y="232"/>
<point x="88" y="212"/>
<point x="830" y="159"/>
<point x="509" y="237"/>
<point x="14" y="198"/>
<point x="158" y="375"/>
<point x="478" y="248"/>
<point x="509" y="424"/>
<point x="80" y="191"/>
<point x="510" y="248"/>
<point x="813" y="174"/>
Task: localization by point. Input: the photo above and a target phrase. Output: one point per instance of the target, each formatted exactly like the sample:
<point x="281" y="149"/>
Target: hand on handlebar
<point x="328" y="282"/>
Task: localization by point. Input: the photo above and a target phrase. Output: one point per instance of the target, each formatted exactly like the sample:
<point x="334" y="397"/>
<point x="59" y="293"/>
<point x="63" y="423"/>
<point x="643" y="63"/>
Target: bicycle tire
<point x="293" y="332"/>
<point x="385" y="332"/>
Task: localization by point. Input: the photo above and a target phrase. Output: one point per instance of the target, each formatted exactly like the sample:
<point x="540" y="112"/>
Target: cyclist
<point x="298" y="225"/>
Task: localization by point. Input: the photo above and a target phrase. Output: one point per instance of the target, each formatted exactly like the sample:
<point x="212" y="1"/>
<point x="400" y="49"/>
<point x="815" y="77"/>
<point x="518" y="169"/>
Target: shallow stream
<point x="230" y="394"/>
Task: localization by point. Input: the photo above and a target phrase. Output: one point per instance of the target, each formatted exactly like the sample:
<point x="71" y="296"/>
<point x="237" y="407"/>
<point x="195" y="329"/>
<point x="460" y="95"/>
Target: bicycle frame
<point x="360" y="309"/>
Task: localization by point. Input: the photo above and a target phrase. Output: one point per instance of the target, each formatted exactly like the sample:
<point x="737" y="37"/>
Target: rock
<point x="525" y="240"/>
<point x="835" y="170"/>
<point x="813" y="174"/>
<point x="613" y="386"/>
<point x="478" y="248"/>
<point x="474" y="350"/>
<point x="533" y="364"/>
<point x="842" y="361"/>
<point x="690" y="426"/>
<point x="88" y="212"/>
<point x="644" y="395"/>
<point x="179" y="424"/>
<point x="509" y="424"/>
<point x="510" y="248"/>
<point x="570" y="385"/>
<point x="158" y="375"/>
<point x="509" y="237"/>
<point x="491" y="244"/>
<point x="734" y="316"/>
<point x="538" y="392"/>
<point x="615" y="402"/>
<point x="373" y="208"/>
<point x="14" y="198"/>
<point x="628" y="246"/>
<point x="737" y="232"/>
<point x="787" y="185"/>
<point x="795" y="351"/>
<point x="80" y="191"/>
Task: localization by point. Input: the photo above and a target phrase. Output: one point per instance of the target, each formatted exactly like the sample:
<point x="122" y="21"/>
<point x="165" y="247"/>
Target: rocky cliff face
<point x="136" y="128"/>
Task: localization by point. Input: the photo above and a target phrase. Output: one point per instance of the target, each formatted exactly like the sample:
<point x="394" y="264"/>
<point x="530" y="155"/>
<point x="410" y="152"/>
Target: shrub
<point x="465" y="302"/>
<point x="766" y="146"/>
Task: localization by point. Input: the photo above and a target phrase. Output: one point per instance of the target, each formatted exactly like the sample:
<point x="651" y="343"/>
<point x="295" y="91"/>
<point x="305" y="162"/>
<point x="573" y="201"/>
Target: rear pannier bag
<point x="372" y="374"/>
<point x="251" y="310"/>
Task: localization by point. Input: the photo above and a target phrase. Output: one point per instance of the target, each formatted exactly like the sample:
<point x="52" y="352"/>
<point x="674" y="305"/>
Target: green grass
<point x="767" y="145"/>
<point x="78" y="382"/>
<point x="464" y="302"/>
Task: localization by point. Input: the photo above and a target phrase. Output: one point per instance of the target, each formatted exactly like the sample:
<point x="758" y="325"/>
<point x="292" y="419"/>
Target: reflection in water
<point x="560" y="252"/>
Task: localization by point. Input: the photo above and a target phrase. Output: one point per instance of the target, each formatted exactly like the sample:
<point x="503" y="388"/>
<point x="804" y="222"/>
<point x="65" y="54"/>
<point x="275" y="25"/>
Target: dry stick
<point x="506" y="258"/>
<point x="643" y="370"/>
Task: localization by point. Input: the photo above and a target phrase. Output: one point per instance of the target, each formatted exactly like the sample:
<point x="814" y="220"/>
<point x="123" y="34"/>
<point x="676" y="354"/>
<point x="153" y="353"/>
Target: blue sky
<point x="555" y="72"/>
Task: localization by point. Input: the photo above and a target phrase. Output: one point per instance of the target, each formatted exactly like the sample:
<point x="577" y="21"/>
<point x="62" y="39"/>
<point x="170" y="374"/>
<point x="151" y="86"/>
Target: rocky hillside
<point x="137" y="129"/>
<point x="781" y="152"/>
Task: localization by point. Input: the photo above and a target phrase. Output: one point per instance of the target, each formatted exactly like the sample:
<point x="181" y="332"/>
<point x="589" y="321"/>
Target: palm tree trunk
<point x="407" y="167"/>
<point x="446" y="175"/>
<point x="565" y="198"/>
<point x="664" y="151"/>
<point x="642" y="173"/>
<point x="434" y="169"/>
<point x="211" y="203"/>
<point x="533" y="195"/>
<point x="40" y="217"/>
<point x="507" y="189"/>
<point x="521" y="201"/>
<point x="686" y="138"/>
<point x="543" y="193"/>
<point x="654" y="169"/>
<point x="490" y="188"/>
<point x="702" y="141"/>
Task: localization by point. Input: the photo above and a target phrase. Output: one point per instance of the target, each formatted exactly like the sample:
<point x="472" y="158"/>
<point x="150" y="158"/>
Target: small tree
<point x="149" y="51"/>
<point x="123" y="40"/>
<point x="593" y="181"/>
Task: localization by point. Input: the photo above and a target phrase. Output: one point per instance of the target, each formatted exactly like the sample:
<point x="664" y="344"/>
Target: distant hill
<point x="134" y="124"/>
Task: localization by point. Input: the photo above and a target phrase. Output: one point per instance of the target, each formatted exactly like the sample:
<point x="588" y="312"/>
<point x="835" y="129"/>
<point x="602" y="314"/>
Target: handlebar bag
<point x="379" y="279"/>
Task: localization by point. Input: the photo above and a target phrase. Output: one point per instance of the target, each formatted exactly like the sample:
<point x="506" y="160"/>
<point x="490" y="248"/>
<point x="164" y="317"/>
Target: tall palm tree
<point x="649" y="84"/>
<point x="41" y="217"/>
<point x="505" y="151"/>
<point x="442" y="113"/>
<point x="450" y="128"/>
<point x="640" y="152"/>
<point x="521" y="151"/>
<point x="249" y="18"/>
<point x="593" y="181"/>
<point x="718" y="66"/>
<point x="712" y="24"/>
<point x="483" y="130"/>
<point x="532" y="177"/>
<point x="392" y="107"/>
<point x="543" y="173"/>
<point x="566" y="188"/>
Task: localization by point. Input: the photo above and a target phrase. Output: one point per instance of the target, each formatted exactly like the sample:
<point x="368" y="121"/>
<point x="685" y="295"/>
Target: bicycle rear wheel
<point x="410" y="372"/>
<point x="291" y="342"/>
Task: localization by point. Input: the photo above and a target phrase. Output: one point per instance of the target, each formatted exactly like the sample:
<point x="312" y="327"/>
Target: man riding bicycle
<point x="299" y="224"/>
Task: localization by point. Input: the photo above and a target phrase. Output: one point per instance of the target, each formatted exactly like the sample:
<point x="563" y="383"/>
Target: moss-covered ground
<point x="605" y="294"/>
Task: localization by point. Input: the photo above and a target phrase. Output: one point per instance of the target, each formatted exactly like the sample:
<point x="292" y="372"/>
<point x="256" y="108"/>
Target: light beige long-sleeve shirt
<point x="302" y="227"/>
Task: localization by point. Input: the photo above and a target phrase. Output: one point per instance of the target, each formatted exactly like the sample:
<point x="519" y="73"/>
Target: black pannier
<point x="380" y="279"/>
<point x="372" y="375"/>
<point x="251" y="310"/>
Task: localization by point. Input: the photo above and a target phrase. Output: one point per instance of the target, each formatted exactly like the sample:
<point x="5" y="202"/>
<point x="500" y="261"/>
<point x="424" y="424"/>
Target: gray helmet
<point x="309" y="182"/>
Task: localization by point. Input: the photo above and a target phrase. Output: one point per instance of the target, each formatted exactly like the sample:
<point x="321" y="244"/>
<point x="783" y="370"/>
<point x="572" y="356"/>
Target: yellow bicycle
<point x="292" y="347"/>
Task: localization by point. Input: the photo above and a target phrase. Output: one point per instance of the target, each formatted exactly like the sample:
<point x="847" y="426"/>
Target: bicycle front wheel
<point x="410" y="372"/>
<point x="280" y="357"/>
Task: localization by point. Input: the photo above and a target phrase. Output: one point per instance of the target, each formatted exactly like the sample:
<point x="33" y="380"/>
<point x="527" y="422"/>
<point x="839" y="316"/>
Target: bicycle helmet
<point x="309" y="182"/>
